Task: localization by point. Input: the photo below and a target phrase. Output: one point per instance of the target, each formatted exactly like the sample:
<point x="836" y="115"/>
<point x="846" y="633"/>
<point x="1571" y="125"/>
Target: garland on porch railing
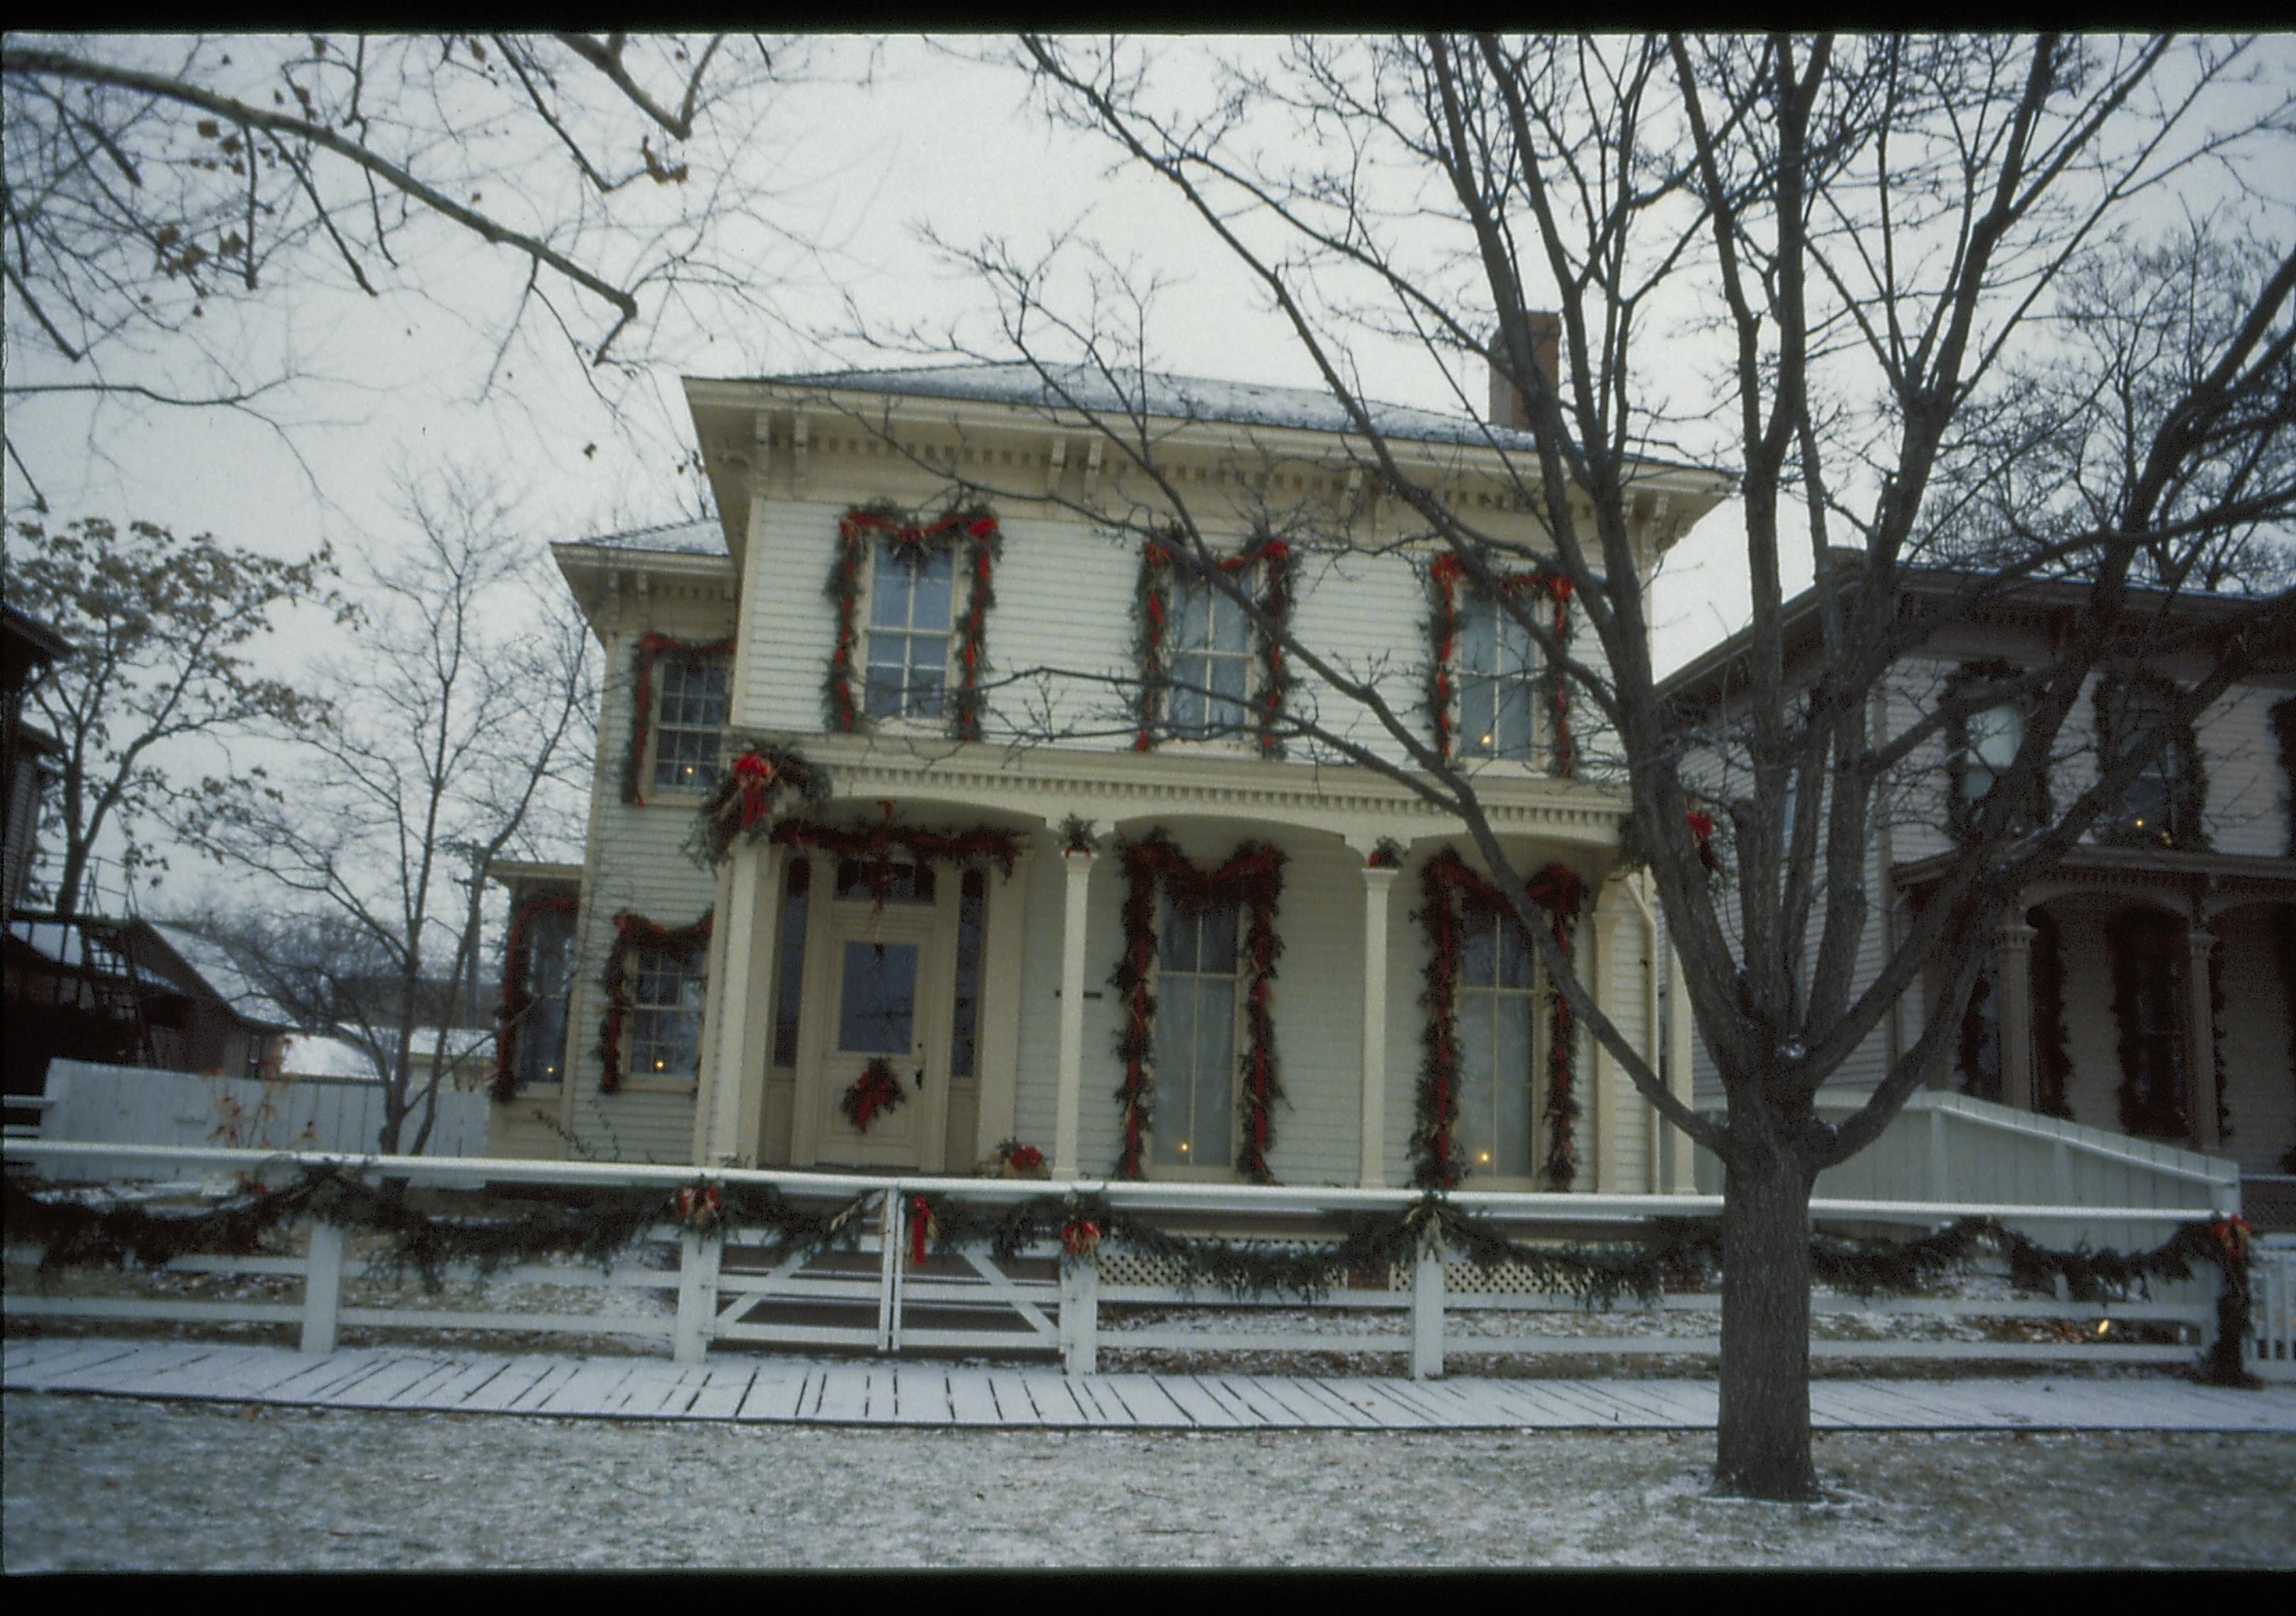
<point x="1445" y="574"/>
<point x="516" y="1001"/>
<point x="652" y="647"/>
<point x="973" y="527"/>
<point x="752" y="790"/>
<point x="1446" y="887"/>
<point x="1252" y="878"/>
<point x="1152" y="610"/>
<point x="633" y="932"/>
<point x="72" y="1231"/>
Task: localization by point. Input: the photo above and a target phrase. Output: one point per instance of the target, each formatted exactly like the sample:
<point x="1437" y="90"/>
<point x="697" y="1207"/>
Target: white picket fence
<point x="96" y="1105"/>
<point x="872" y="1295"/>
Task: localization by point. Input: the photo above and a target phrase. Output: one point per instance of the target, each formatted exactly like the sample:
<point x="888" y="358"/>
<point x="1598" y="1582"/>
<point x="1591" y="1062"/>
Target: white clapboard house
<point x="1066" y="890"/>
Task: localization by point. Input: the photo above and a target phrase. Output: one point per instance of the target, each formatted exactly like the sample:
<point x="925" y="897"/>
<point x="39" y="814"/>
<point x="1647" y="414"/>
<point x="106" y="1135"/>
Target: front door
<point x="886" y="960"/>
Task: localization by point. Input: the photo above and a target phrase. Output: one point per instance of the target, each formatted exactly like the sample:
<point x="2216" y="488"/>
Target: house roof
<point x="315" y="1054"/>
<point x="1800" y="629"/>
<point x="703" y="537"/>
<point x="42" y="643"/>
<point x="222" y="973"/>
<point x="1159" y="393"/>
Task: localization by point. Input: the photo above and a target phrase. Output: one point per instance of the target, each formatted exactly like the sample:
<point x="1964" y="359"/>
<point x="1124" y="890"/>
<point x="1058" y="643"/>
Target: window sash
<point x="689" y="717"/>
<point x="1498" y="682"/>
<point x="1498" y="1024"/>
<point x="1198" y="1002"/>
<point x="906" y="671"/>
<point x="1208" y="663"/>
<point x="665" y="1014"/>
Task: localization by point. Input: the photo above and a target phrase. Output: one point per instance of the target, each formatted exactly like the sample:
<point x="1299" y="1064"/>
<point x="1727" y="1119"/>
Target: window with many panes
<point x="2161" y="806"/>
<point x="1197" y="961"/>
<point x="689" y="717"/>
<point x="2149" y="961"/>
<point x="666" y="1013"/>
<point x="1498" y="682"/>
<point x="1498" y="1024"/>
<point x="909" y="606"/>
<point x="1208" y="663"/>
<point x="546" y="941"/>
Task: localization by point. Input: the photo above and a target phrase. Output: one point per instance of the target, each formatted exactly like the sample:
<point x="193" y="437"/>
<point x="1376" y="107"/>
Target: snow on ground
<point x="100" y="1483"/>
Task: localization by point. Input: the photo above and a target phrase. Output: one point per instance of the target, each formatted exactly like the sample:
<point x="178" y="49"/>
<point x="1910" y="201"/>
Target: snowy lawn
<point x="100" y="1483"/>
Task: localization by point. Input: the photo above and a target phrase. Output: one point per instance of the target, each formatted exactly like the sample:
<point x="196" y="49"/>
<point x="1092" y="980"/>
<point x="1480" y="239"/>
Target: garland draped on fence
<point x="1253" y="880"/>
<point x="516" y="1000"/>
<point x="1152" y="609"/>
<point x="600" y="1223"/>
<point x="975" y="528"/>
<point x="633" y="932"/>
<point x="1446" y="887"/>
<point x="1445" y="574"/>
<point x="652" y="647"/>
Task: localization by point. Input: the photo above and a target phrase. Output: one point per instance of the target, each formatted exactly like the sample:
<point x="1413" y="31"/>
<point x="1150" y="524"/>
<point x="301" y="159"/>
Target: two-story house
<point x="2148" y="986"/>
<point x="1013" y="842"/>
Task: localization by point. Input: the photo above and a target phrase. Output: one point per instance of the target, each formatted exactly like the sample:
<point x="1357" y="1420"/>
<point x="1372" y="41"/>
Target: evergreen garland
<point x="1252" y="878"/>
<point x="631" y="933"/>
<point x="975" y="528"/>
<point x="2053" y="1061"/>
<point x="2150" y="1117"/>
<point x="516" y="1001"/>
<point x="597" y="1226"/>
<point x="977" y="848"/>
<point x="744" y="800"/>
<point x="651" y="648"/>
<point x="1446" y="886"/>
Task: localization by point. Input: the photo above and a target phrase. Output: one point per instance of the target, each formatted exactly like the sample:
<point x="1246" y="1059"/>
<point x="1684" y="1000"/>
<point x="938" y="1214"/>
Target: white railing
<point x="869" y="1293"/>
<point x="2272" y="1308"/>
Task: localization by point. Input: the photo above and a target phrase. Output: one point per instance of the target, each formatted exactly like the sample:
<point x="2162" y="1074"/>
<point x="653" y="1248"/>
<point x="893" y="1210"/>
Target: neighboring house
<point x="933" y="956"/>
<point x="26" y="648"/>
<point x="2148" y="986"/>
<point x="130" y="993"/>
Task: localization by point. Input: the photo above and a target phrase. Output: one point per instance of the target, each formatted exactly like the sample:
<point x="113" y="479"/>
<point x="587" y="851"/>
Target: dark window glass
<point x="689" y="713"/>
<point x="789" y="958"/>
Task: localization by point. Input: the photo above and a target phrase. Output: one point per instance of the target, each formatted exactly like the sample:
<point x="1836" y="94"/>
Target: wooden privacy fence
<point x="868" y="1292"/>
<point x="89" y="1103"/>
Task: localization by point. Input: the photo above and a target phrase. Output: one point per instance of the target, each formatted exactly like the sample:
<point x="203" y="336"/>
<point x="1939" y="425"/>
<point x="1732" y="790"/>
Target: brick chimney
<point x="1546" y="352"/>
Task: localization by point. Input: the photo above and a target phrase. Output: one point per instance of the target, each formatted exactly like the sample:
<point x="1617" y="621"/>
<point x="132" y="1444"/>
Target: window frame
<point x="1239" y="735"/>
<point x="1963" y="809"/>
<point x="1153" y="1164"/>
<point x="1528" y="682"/>
<point x="1536" y="996"/>
<point x="693" y="968"/>
<point x="684" y="662"/>
<point x="2184" y="789"/>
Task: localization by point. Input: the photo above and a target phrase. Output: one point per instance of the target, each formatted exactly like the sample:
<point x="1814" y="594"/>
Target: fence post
<point x="323" y="1287"/>
<point x="699" y="1254"/>
<point x="1427" y="1311"/>
<point x="889" y="1268"/>
<point x="1080" y="1314"/>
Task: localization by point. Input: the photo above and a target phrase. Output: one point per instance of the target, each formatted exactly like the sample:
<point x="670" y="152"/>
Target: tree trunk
<point x="1762" y="1443"/>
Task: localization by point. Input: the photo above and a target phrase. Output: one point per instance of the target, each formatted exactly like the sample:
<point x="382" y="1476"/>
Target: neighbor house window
<point x="1209" y="659"/>
<point x="666" y="1013"/>
<point x="689" y="716"/>
<point x="1498" y="682"/>
<point x="1196" y="998"/>
<point x="1499" y="1022"/>
<point x="909" y="632"/>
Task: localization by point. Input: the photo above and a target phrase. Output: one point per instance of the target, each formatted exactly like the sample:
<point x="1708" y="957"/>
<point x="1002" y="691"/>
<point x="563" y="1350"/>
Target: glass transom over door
<point x="885" y="1015"/>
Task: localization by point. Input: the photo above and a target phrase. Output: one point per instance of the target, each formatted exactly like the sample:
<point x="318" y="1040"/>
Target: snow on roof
<point x="56" y="941"/>
<point x="680" y="538"/>
<point x="221" y="973"/>
<point x="311" y="1054"/>
<point x="1182" y="398"/>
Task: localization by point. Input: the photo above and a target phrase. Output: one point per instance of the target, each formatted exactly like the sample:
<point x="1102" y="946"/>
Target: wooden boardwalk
<point x="782" y="1390"/>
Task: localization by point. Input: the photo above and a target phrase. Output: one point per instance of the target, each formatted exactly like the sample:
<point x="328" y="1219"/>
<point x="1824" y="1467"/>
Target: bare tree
<point x="465" y="715"/>
<point x="1823" y="264"/>
<point x="168" y="200"/>
<point x="160" y="629"/>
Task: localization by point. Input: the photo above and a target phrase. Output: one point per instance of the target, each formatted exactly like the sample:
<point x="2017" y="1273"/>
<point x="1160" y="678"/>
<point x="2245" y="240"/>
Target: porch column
<point x="737" y="1008"/>
<point x="2012" y="970"/>
<point x="2200" y="1038"/>
<point x="1067" y="1096"/>
<point x="1371" y="1165"/>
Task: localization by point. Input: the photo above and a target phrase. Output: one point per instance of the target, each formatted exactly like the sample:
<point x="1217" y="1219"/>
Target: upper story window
<point x="1498" y="682"/>
<point x="1981" y="748"/>
<point x="909" y="600"/>
<point x="689" y="716"/>
<point x="1207" y="672"/>
<point x="1209" y="663"/>
<point x="2162" y="806"/>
